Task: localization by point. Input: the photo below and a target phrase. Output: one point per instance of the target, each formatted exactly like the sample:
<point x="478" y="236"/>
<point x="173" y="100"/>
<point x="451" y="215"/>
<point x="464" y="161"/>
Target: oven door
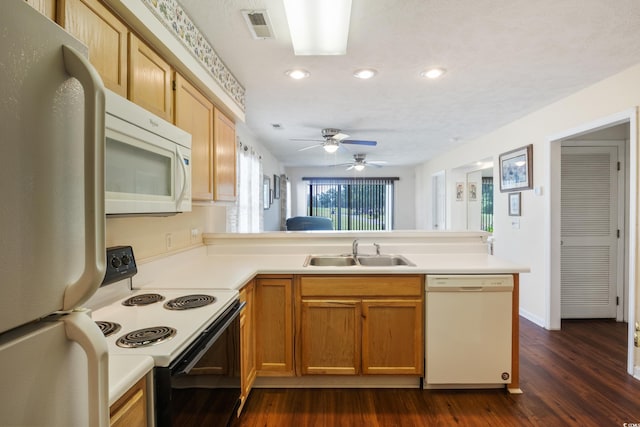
<point x="208" y="370"/>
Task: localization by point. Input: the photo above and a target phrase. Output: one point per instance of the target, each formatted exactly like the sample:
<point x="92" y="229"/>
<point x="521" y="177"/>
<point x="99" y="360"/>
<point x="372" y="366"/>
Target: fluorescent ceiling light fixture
<point x="433" y="73"/>
<point x="359" y="167"/>
<point x="330" y="147"/>
<point x="365" y="73"/>
<point x="318" y="27"/>
<point x="297" y="74"/>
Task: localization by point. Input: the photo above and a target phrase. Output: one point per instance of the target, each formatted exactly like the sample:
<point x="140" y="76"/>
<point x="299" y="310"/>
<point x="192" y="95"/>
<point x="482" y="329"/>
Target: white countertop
<point x="124" y="372"/>
<point x="201" y="270"/>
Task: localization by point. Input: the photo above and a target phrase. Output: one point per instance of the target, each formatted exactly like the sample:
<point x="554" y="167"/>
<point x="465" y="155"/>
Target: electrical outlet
<point x="194" y="235"/>
<point x="168" y="241"/>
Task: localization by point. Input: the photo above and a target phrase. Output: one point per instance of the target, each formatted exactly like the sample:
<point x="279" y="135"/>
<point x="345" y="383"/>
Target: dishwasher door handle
<point x="471" y="288"/>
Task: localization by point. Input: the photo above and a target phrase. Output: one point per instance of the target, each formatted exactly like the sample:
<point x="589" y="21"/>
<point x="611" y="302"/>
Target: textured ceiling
<point x="505" y="58"/>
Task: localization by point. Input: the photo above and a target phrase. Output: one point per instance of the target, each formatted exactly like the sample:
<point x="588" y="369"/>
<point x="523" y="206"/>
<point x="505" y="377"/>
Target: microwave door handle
<point x="94" y="216"/>
<point x="183" y="167"/>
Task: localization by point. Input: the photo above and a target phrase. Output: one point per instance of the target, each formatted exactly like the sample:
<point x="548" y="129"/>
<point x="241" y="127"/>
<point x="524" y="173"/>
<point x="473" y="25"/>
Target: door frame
<point x="552" y="227"/>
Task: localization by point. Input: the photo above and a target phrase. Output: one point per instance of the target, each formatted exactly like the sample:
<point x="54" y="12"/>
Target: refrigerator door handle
<point x="81" y="329"/>
<point x="94" y="140"/>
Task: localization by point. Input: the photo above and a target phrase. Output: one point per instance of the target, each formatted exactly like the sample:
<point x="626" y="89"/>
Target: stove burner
<point x="142" y="299"/>
<point x="189" y="301"/>
<point x="146" y="336"/>
<point x="108" y="328"/>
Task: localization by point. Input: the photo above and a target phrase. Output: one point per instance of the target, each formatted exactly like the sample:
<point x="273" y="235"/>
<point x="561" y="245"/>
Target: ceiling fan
<point x="333" y="138"/>
<point x="359" y="163"/>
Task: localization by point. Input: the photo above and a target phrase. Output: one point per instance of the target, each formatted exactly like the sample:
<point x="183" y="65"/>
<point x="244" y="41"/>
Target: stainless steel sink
<point x="383" y="261"/>
<point x="330" y="261"/>
<point x="361" y="260"/>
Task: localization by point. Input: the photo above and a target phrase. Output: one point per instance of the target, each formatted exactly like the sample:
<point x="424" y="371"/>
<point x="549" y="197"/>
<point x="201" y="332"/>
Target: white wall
<point x="528" y="244"/>
<point x="405" y="190"/>
<point x="270" y="166"/>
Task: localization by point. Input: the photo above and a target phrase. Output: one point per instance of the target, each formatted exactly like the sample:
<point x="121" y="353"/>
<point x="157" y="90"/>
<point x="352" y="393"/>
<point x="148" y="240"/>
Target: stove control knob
<point x="115" y="262"/>
<point x="126" y="259"/>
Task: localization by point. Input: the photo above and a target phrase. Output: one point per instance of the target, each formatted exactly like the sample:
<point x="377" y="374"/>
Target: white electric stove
<point x="176" y="328"/>
<point x="154" y="318"/>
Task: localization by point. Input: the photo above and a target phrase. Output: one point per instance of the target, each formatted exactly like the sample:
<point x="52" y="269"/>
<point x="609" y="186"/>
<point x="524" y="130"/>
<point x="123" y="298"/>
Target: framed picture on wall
<point x="459" y="191"/>
<point x="276" y="186"/>
<point x="515" y="204"/>
<point x="473" y="191"/>
<point x="516" y="169"/>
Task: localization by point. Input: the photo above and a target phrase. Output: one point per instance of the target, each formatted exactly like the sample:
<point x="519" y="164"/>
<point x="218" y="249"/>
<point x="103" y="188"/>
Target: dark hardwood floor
<point x="573" y="377"/>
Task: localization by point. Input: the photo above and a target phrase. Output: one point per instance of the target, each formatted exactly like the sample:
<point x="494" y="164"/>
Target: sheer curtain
<point x="246" y="215"/>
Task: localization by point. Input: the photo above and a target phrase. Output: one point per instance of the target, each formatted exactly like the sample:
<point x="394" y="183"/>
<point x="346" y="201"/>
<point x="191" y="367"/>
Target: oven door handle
<point x="191" y="356"/>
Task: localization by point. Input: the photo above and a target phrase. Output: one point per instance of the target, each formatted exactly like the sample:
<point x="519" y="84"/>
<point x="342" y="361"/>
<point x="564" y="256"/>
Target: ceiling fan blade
<point x="377" y="162"/>
<point x="340" y="136"/>
<point x="351" y="167"/>
<point x="311" y="146"/>
<point x="375" y="165"/>
<point x="305" y="139"/>
<point x="359" y="142"/>
<point x="341" y="164"/>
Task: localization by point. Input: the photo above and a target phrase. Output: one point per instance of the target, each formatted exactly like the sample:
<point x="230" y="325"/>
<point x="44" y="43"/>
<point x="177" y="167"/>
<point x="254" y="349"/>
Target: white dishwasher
<point x="468" y="331"/>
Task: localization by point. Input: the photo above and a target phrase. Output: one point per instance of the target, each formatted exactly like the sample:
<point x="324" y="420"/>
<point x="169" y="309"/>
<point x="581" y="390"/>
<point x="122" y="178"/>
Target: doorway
<point x="626" y="309"/>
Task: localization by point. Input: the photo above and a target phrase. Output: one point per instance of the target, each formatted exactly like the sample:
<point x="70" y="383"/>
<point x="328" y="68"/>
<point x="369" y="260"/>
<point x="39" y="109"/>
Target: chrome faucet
<point x="377" y="245"/>
<point x="354" y="247"/>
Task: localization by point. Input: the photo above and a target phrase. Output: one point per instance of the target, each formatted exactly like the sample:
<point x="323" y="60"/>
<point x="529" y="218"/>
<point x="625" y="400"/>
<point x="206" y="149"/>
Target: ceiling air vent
<point x="259" y="24"/>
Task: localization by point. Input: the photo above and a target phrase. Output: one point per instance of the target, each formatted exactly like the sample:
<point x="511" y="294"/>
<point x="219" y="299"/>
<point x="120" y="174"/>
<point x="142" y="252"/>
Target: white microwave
<point x="147" y="162"/>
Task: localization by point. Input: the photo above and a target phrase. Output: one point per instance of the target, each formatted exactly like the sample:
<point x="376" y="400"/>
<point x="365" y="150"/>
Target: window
<point x="486" y="212"/>
<point x="352" y="203"/>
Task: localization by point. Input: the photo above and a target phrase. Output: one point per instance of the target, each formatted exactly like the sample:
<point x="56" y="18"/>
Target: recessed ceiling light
<point x="365" y="73"/>
<point x="433" y="73"/>
<point x="297" y="73"/>
<point x="359" y="167"/>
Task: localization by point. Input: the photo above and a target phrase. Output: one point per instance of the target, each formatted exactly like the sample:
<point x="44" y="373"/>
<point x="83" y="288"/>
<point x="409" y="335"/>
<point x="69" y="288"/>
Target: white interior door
<point x="589" y="231"/>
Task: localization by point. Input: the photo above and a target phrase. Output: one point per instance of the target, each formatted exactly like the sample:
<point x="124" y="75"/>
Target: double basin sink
<point x="350" y="260"/>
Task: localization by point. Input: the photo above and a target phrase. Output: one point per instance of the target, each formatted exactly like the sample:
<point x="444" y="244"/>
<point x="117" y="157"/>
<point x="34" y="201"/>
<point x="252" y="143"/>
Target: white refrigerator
<point x="53" y="358"/>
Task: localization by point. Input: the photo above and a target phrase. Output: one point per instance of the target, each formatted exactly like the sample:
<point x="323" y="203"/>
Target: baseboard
<point x="531" y="317"/>
<point x="336" y="381"/>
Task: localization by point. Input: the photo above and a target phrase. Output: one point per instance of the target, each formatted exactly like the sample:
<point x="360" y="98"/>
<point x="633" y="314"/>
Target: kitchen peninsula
<point x="269" y="270"/>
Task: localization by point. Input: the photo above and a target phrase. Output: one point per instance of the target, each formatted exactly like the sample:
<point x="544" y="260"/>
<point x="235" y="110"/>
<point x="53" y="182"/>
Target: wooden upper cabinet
<point x="194" y="114"/>
<point x="103" y="33"/>
<point x="224" y="158"/>
<point x="150" y="79"/>
<point x="46" y="7"/>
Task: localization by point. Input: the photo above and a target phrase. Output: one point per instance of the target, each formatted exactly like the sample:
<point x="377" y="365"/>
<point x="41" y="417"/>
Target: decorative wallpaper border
<point x="171" y="14"/>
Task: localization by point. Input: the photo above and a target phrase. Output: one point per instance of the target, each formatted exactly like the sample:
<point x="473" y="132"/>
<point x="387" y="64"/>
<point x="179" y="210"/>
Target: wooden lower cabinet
<point x="392" y="341"/>
<point x="274" y="325"/>
<point x="331" y="337"/>
<point x="370" y="325"/>
<point x="247" y="343"/>
<point x="131" y="409"/>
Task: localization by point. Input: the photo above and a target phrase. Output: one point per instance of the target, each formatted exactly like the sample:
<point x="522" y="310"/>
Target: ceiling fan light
<point x="330" y="148"/>
<point x="359" y="167"/>
<point x="433" y="73"/>
<point x="365" y="73"/>
<point x="297" y="74"/>
<point x="309" y="30"/>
